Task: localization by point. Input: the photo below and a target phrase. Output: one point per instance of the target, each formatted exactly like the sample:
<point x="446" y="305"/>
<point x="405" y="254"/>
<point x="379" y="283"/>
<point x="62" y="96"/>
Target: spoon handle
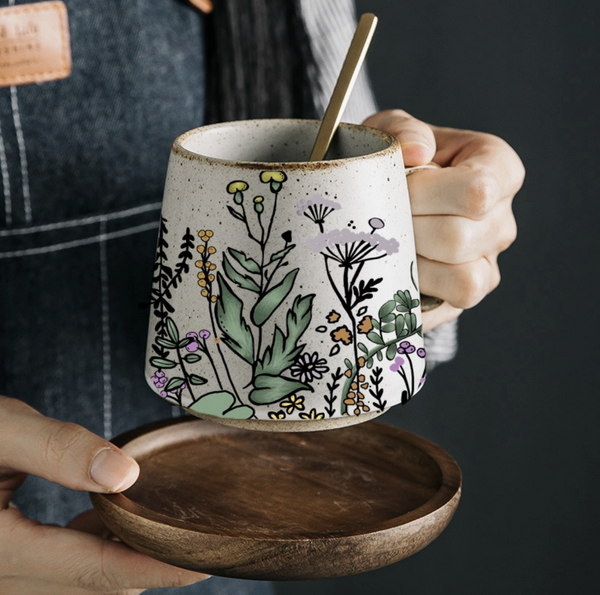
<point x="343" y="87"/>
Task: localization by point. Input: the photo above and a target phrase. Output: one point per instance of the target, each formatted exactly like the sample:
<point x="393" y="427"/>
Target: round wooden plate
<point x="281" y="506"/>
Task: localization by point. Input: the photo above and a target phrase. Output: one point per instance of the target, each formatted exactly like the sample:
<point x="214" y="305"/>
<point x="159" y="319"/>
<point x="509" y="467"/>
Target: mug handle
<point x="428" y="302"/>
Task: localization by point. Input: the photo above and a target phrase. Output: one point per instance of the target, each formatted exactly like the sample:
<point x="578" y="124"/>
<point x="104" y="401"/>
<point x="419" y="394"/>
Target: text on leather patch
<point x="34" y="43"/>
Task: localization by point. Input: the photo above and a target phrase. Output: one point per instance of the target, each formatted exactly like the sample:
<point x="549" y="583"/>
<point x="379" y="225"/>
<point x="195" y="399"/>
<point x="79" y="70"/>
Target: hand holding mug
<point x="462" y="213"/>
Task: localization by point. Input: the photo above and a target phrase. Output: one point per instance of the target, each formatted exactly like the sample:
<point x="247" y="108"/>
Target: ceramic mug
<point x="285" y="293"/>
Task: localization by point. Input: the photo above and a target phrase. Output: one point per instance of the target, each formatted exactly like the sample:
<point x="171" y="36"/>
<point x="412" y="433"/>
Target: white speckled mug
<point x="285" y="292"/>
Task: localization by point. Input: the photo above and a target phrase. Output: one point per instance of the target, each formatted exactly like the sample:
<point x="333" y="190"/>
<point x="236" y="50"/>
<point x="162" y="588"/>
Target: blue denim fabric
<point x="84" y="161"/>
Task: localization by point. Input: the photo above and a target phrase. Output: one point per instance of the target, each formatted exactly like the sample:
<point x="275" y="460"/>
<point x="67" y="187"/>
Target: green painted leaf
<point x="370" y="363"/>
<point x="166" y="343"/>
<point x="414" y="303"/>
<point x="363" y="348"/>
<point x="240" y="280"/>
<point x="184" y="342"/>
<point x="270" y="389"/>
<point x="214" y="403"/>
<point x="401" y="308"/>
<point x="192" y="358"/>
<point x="268" y="303"/>
<point x="174" y="383"/>
<point x="379" y="355"/>
<point x="197" y="380"/>
<point x="388" y="318"/>
<point x="375" y="338"/>
<point x="411" y="322"/>
<point x="390" y="352"/>
<point x="388" y="328"/>
<point x="386" y="309"/>
<point x="236" y="214"/>
<point x="282" y="253"/>
<point x="172" y="330"/>
<point x="375" y="324"/>
<point x="399" y="324"/>
<point x="236" y="332"/>
<point x="284" y="349"/>
<point x="248" y="263"/>
<point x="240" y="412"/>
<point x="159" y="362"/>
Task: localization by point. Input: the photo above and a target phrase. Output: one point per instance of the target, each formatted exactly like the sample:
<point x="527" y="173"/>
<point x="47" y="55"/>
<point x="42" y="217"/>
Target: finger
<point x="416" y="138"/>
<point x="478" y="171"/>
<point x="20" y="586"/>
<point x="455" y="240"/>
<point x="441" y="315"/>
<point x="61" y="452"/>
<point x="460" y="285"/>
<point x="79" y="560"/>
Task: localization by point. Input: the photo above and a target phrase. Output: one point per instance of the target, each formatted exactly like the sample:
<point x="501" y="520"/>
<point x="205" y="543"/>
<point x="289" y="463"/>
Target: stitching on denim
<point x="76" y="243"/>
<point x="5" y="181"/>
<point x="106" y="362"/>
<point x="76" y="222"/>
<point x="14" y="104"/>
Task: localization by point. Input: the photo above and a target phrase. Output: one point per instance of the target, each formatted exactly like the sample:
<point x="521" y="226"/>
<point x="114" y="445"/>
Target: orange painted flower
<point x="332" y="317"/>
<point x="343" y="334"/>
<point x="365" y="325"/>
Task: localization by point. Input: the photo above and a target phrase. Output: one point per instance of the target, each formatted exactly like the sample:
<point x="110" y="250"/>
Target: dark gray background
<point x="519" y="407"/>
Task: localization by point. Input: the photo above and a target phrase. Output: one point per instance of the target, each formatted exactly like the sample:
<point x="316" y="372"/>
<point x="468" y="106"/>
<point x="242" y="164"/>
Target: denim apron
<point x="82" y="165"/>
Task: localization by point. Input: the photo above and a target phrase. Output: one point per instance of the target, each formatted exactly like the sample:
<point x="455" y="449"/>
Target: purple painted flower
<point x="351" y="247"/>
<point x="398" y="363"/>
<point x="159" y="379"/>
<point x="421" y="352"/>
<point x="376" y="223"/>
<point x="204" y="334"/>
<point x="193" y="346"/>
<point x="406" y="347"/>
<point x="309" y="367"/>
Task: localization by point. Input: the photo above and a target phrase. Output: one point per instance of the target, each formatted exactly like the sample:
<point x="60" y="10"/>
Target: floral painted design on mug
<point x="244" y="290"/>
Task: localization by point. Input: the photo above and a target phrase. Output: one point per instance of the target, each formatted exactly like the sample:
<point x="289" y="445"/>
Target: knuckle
<point x="473" y="286"/>
<point x="481" y="194"/>
<point x="509" y="234"/>
<point x="64" y="437"/>
<point x="458" y="237"/>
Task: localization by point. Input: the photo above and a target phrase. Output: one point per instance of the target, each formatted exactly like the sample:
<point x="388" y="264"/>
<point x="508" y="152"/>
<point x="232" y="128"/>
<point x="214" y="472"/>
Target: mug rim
<point x="179" y="149"/>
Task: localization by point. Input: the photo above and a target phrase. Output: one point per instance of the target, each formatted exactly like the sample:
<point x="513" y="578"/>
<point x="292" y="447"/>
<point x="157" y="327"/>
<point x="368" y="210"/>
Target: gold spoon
<point x="341" y="93"/>
<point x="343" y="87"/>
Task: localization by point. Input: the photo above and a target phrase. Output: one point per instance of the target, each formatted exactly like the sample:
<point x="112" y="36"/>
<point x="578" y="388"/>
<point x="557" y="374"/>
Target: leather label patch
<point x="34" y="43"/>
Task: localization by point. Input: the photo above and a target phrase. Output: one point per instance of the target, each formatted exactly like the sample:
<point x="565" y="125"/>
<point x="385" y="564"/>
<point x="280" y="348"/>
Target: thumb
<point x="416" y="138"/>
<point x="60" y="452"/>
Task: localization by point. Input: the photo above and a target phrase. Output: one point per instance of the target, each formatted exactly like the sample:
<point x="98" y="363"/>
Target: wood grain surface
<point x="292" y="506"/>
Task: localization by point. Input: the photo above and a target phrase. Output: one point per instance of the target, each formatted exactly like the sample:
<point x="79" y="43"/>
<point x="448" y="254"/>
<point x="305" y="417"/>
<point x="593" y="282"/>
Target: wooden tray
<point x="281" y="506"/>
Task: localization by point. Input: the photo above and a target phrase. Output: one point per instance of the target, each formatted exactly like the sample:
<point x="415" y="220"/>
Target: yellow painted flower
<point x="209" y="233"/>
<point x="202" y="282"/>
<point x="365" y="325"/>
<point x="277" y="415"/>
<point x="213" y="298"/>
<point x="237" y="186"/>
<point x="275" y="176"/>
<point x="312" y="415"/>
<point x="293" y="403"/>
<point x="204" y="292"/>
<point x="212" y="250"/>
<point x="201" y="275"/>
<point x="200" y="248"/>
<point x="258" y="199"/>
<point x="211" y="278"/>
<point x="201" y="233"/>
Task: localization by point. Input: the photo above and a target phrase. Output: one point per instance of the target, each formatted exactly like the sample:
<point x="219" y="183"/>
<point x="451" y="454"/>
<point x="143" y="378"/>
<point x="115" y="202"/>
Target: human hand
<point x="462" y="213"/>
<point x="38" y="559"/>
